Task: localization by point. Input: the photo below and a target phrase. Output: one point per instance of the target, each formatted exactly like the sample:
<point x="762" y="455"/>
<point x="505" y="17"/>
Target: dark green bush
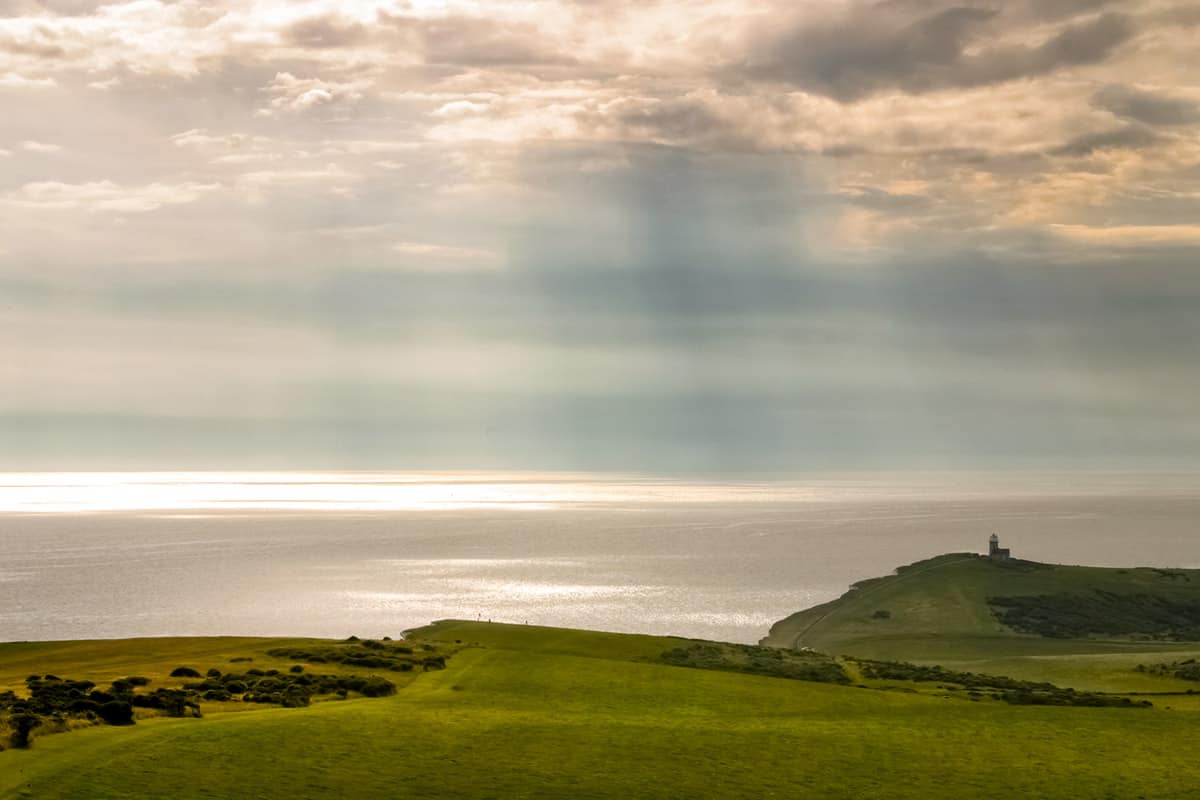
<point x="22" y="725"/>
<point x="1009" y="690"/>
<point x="755" y="660"/>
<point x="377" y="687"/>
<point x="116" y="712"/>
<point x="1064" y="616"/>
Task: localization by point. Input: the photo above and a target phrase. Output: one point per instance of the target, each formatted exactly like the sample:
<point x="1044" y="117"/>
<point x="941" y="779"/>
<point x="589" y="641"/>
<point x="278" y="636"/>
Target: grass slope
<point x="537" y="712"/>
<point x="939" y="608"/>
<point x="107" y="659"/>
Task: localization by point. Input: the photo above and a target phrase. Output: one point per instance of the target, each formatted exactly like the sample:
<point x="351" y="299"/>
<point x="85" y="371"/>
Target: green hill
<point x="538" y="712"/>
<point x="964" y="606"/>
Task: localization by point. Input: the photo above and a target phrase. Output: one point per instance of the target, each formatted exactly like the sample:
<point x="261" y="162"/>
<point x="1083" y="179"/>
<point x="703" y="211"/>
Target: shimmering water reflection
<point x="704" y="560"/>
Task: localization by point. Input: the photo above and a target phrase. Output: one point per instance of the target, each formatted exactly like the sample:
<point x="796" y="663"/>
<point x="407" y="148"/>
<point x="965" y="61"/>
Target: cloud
<point x="296" y="95"/>
<point x="141" y="36"/>
<point x="1132" y="235"/>
<point x="30" y="146"/>
<point x="648" y="227"/>
<point x="481" y="42"/>
<point x="257" y="186"/>
<point x="867" y="48"/>
<point x="105" y="85"/>
<point x="105" y="196"/>
<point x="1128" y="137"/>
<point x="13" y="80"/>
<point x="325" y="31"/>
<point x="1150" y="108"/>
<point x="442" y="257"/>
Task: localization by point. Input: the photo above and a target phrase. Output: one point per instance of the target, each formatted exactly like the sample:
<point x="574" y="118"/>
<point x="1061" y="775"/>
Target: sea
<point x="334" y="554"/>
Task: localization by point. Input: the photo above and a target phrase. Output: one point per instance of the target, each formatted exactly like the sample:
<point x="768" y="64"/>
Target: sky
<point x="707" y="236"/>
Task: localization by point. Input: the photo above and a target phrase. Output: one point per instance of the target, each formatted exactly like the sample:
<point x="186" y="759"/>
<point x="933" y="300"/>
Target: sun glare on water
<point x="337" y="491"/>
<point x="182" y="493"/>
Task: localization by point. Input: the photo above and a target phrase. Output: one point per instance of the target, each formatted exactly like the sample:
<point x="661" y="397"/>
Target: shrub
<point x="116" y="712"/>
<point x="22" y="724"/>
<point x="184" y="672"/>
<point x="375" y="686"/>
<point x="1066" y="615"/>
<point x="84" y="707"/>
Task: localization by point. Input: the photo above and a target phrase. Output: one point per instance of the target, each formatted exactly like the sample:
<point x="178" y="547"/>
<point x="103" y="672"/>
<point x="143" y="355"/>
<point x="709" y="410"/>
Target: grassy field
<point x="537" y="712"/>
<point x="938" y="610"/>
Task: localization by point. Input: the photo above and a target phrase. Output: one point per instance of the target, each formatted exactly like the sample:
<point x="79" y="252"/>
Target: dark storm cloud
<point x="1147" y="107"/>
<point x="871" y="48"/>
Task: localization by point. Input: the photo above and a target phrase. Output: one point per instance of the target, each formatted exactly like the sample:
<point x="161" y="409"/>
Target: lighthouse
<point x="995" y="551"/>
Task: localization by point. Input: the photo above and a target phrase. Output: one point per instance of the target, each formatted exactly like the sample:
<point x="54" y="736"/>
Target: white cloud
<point x="443" y="258"/>
<point x="460" y="108"/>
<point x="200" y="138"/>
<point x="1131" y="235"/>
<point x="257" y="185"/>
<point x="105" y="85"/>
<point x="293" y="94"/>
<point x="141" y="36"/>
<point x="105" y="196"/>
<point x="358" y="147"/>
<point x="196" y="137"/>
<point x="30" y="146"/>
<point x="12" y="80"/>
<point x="434" y="99"/>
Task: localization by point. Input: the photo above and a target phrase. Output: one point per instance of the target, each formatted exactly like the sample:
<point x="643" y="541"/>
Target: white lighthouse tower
<point x="995" y="551"/>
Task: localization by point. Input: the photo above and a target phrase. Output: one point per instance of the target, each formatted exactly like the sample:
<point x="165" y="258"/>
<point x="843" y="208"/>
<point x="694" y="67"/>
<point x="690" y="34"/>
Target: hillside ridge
<point x="957" y="600"/>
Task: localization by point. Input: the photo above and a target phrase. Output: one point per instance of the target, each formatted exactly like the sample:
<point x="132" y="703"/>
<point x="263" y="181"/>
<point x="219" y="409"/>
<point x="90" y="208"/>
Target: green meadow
<point x="941" y="610"/>
<point x="536" y="712"/>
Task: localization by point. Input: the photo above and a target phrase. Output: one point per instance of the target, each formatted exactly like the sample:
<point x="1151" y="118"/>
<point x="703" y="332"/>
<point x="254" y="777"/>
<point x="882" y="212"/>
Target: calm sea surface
<point x="334" y="554"/>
